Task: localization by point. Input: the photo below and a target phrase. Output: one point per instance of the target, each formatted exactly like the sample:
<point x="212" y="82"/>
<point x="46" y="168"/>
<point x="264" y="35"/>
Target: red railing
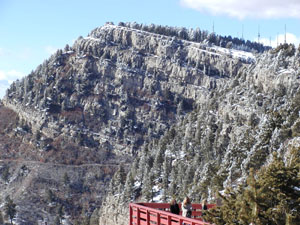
<point x="159" y="214"/>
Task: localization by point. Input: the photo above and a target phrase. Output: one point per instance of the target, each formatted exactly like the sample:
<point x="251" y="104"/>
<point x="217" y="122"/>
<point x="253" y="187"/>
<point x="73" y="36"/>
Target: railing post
<point x="169" y="220"/>
<point x="130" y="215"/>
<point x="138" y="216"/>
<point x="148" y="218"/>
<point x="158" y="218"/>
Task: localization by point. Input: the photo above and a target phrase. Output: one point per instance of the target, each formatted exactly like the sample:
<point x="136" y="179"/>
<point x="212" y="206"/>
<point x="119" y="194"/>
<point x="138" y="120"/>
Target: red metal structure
<point x="159" y="214"/>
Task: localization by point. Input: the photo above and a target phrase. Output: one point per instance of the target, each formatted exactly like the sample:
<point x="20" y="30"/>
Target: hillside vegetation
<point x="144" y="113"/>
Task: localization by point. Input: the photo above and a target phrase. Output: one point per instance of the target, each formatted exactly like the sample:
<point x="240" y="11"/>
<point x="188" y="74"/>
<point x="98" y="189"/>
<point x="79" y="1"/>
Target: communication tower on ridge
<point x="243" y="32"/>
<point x="284" y="33"/>
<point x="258" y="35"/>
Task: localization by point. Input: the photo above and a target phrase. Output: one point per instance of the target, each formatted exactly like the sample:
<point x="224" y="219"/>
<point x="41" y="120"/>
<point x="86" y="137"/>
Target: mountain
<point x="131" y="108"/>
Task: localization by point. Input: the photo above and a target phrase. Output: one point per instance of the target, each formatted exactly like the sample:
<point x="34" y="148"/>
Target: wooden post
<point x="138" y="216"/>
<point x="148" y="217"/>
<point x="130" y="215"/>
<point x="158" y="218"/>
<point x="169" y="220"/>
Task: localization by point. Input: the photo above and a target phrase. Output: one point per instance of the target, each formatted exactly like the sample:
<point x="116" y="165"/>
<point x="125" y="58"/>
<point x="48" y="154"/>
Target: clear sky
<point x="31" y="30"/>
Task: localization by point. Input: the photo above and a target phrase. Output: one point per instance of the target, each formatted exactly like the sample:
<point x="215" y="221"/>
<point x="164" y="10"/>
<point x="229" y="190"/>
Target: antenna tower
<point x="243" y="32"/>
<point x="258" y="35"/>
<point x="284" y="33"/>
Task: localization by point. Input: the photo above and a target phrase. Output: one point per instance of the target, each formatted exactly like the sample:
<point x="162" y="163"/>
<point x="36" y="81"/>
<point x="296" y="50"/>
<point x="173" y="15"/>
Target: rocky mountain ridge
<point x="52" y="91"/>
<point x="238" y="127"/>
<point x="120" y="91"/>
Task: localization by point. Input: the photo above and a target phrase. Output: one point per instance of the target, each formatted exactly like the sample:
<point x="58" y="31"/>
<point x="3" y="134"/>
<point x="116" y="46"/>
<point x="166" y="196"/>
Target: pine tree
<point x="60" y="211"/>
<point x="57" y="221"/>
<point x="270" y="197"/>
<point x="85" y="219"/>
<point x="180" y="175"/>
<point x="279" y="184"/>
<point x="227" y="213"/>
<point x="10" y="208"/>
<point x="94" y="220"/>
<point x="112" y="187"/>
<point x="5" y="174"/>
<point x="188" y="178"/>
<point x="165" y="178"/>
<point x="1" y="218"/>
<point x="173" y="188"/>
<point x="118" y="181"/>
<point x="66" y="179"/>
<point x="50" y="196"/>
<point x="158" y="161"/>
<point x="147" y="189"/>
<point x="134" y="167"/>
<point x="129" y="188"/>
<point x="198" y="134"/>
<point x="249" y="203"/>
<point x="121" y="175"/>
<point x="144" y="160"/>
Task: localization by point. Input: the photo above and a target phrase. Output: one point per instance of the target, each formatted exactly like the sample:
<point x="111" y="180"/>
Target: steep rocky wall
<point x="108" y="84"/>
<point x="251" y="115"/>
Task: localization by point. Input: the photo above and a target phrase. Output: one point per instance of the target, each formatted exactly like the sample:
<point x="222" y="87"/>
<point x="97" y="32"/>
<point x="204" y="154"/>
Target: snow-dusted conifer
<point x="147" y="189"/>
<point x="129" y="187"/>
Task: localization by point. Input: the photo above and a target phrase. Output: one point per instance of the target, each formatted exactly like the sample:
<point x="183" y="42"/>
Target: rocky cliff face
<point x="121" y="90"/>
<point x="127" y="81"/>
<point x="236" y="125"/>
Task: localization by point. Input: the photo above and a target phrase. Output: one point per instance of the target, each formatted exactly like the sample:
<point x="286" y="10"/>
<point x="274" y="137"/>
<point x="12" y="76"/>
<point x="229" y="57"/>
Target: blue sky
<point x="31" y="30"/>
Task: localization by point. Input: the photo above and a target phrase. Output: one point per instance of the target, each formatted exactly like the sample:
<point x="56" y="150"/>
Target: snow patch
<point x="246" y="56"/>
